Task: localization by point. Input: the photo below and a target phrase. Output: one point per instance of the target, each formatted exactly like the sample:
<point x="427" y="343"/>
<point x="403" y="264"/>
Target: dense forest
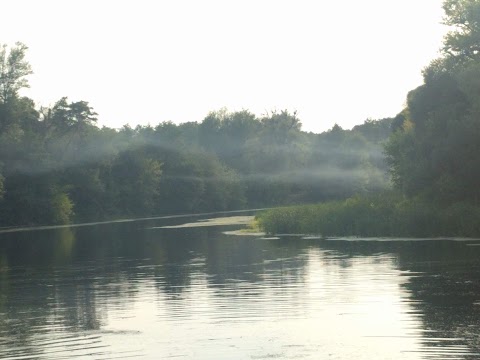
<point x="58" y="166"/>
<point x="433" y="153"/>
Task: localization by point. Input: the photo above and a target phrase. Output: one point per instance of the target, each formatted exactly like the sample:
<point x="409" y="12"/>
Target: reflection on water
<point x="125" y="290"/>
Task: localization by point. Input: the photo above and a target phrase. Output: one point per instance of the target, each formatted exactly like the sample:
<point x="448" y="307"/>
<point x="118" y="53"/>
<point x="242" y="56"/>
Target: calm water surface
<point x="133" y="290"/>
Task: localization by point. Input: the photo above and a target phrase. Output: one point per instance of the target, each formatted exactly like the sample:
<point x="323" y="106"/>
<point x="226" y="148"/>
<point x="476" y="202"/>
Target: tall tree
<point x="435" y="152"/>
<point x="13" y="70"/>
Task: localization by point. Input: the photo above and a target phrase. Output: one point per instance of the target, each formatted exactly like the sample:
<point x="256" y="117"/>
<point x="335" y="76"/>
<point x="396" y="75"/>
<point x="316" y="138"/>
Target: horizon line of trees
<point x="58" y="166"/>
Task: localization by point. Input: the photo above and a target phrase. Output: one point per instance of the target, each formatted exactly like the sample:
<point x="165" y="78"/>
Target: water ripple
<point x="219" y="297"/>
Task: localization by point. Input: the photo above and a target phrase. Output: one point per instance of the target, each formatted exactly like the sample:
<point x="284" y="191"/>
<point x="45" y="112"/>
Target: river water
<point x="138" y="290"/>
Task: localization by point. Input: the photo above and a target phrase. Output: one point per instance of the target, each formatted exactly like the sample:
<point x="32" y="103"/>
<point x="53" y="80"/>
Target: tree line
<point x="433" y="153"/>
<point x="58" y="166"/>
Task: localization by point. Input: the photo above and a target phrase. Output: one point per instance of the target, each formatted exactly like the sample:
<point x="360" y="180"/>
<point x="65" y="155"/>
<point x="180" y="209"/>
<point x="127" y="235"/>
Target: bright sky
<point x="148" y="61"/>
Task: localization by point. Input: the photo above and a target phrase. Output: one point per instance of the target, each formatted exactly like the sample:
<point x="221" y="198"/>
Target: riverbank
<point x="385" y="214"/>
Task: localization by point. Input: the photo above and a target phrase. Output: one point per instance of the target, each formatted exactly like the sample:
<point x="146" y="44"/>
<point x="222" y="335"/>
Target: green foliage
<point x="198" y="182"/>
<point x="56" y="160"/>
<point x="357" y="216"/>
<point x="375" y="131"/>
<point x="33" y="200"/>
<point x="463" y="42"/>
<point x="384" y="214"/>
<point x="13" y="69"/>
<point x="435" y="152"/>
<point x="61" y="208"/>
<point x="60" y="167"/>
<point x="135" y="180"/>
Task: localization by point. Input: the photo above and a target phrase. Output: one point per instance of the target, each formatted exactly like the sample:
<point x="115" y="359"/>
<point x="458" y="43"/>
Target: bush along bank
<point x="380" y="215"/>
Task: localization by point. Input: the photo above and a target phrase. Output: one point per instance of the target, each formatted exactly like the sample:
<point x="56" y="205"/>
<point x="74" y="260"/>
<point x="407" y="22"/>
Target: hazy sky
<point x="140" y="61"/>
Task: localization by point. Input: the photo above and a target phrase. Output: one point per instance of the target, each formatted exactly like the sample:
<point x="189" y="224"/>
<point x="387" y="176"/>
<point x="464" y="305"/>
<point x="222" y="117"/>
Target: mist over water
<point x="134" y="290"/>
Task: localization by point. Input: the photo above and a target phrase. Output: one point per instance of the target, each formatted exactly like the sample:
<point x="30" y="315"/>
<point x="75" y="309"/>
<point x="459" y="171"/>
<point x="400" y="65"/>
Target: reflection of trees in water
<point x="48" y="285"/>
<point x="214" y="266"/>
<point x="235" y="261"/>
<point x="186" y="253"/>
<point x="448" y="291"/>
<point x="220" y="265"/>
<point x="447" y="300"/>
<point x="71" y="278"/>
<point x="444" y="286"/>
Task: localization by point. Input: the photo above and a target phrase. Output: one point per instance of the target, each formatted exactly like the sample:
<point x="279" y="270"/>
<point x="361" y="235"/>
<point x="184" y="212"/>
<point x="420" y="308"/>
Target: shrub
<point x="383" y="214"/>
